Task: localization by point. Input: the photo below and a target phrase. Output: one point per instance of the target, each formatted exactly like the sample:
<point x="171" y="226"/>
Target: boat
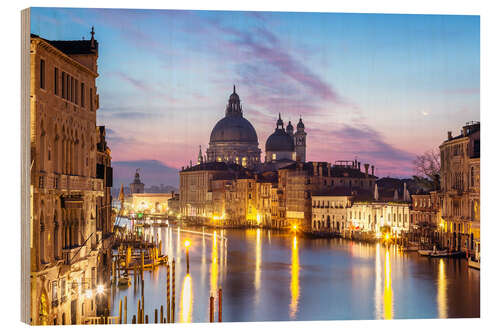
<point x="442" y="253"/>
<point x="423" y="252"/>
<point x="475" y="259"/>
<point x="410" y="248"/>
<point x="473" y="263"/>
<point x="124" y="280"/>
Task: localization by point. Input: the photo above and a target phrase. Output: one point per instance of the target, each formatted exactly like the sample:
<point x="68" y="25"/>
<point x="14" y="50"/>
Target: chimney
<point x="366" y="168"/>
<point x="449" y="135"/>
<point x="373" y="170"/>
<point x="315" y="168"/>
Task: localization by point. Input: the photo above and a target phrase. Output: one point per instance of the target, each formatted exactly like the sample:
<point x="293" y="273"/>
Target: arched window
<point x="472" y="176"/>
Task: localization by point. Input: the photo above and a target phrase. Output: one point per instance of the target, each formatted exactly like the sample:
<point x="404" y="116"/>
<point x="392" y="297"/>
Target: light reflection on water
<point x="186" y="300"/>
<point x="294" y="280"/>
<point x="287" y="277"/>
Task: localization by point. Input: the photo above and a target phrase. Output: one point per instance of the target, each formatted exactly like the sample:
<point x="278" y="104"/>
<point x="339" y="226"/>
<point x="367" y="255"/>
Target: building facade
<point x="136" y="186"/>
<point x="460" y="188"/>
<point x="151" y="203"/>
<point x="68" y="226"/>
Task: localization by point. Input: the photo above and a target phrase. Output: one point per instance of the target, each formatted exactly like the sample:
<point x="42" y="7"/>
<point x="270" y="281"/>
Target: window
<point x="82" y="95"/>
<point x="56" y="82"/>
<point x="274" y="156"/>
<point x="477" y="148"/>
<point x="63" y="80"/>
<point x="71" y="89"/>
<point x="92" y="104"/>
<point x="472" y="176"/>
<point x="76" y="91"/>
<point x="68" y="93"/>
<point x="42" y="73"/>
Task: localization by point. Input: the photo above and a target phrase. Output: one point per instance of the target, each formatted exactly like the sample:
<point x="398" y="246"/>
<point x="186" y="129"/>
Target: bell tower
<point x="300" y="141"/>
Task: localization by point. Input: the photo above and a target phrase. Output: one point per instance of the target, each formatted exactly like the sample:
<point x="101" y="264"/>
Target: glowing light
<point x="88" y="293"/>
<point x="294" y="280"/>
<point x="100" y="289"/>
<point x="387" y="236"/>
<point x="294" y="227"/>
<point x="187" y="243"/>
<point x="186" y="300"/>
<point x="258" y="218"/>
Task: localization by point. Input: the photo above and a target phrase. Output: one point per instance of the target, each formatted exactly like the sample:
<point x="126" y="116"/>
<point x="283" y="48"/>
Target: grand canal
<point x="269" y="275"/>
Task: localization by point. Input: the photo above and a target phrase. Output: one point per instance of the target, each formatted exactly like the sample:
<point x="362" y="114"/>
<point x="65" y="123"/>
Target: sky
<point x="381" y="88"/>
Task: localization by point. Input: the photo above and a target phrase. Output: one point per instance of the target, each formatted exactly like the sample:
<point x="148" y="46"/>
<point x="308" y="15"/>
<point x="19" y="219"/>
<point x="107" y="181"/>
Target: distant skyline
<point x="382" y="88"/>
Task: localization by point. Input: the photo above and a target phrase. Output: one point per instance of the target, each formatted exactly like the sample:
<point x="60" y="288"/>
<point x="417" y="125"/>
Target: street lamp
<point x="100" y="289"/>
<point x="294" y="228"/>
<point x="187" y="244"/>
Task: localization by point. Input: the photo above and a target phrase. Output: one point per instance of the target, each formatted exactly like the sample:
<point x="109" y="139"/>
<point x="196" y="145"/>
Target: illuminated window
<point x="274" y="156"/>
<point x="244" y="161"/>
<point x="219" y="159"/>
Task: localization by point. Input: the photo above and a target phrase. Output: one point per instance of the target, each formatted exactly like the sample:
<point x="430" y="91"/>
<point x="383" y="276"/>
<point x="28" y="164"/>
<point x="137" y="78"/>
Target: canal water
<point x="270" y="275"/>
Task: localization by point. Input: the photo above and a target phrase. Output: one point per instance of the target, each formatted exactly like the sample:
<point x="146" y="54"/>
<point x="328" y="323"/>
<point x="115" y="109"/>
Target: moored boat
<point x="423" y="252"/>
<point x="473" y="263"/>
<point x="124" y="280"/>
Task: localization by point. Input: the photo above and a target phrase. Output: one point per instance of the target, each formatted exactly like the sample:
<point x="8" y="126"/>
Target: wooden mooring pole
<point x="211" y="309"/>
<point x="120" y="313"/>
<point x="220" y="305"/>
<point x="125" y="310"/>
<point x="168" y="293"/>
<point x="172" y="317"/>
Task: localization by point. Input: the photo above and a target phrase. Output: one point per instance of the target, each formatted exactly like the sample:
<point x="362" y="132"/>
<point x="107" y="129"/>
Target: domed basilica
<point x="234" y="140"/>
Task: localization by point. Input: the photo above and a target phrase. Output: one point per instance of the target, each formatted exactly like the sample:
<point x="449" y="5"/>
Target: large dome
<point x="280" y="141"/>
<point x="233" y="128"/>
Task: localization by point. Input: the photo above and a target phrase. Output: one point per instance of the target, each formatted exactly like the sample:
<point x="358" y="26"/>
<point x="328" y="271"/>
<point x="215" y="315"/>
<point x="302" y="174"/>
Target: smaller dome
<point x="289" y="128"/>
<point x="280" y="141"/>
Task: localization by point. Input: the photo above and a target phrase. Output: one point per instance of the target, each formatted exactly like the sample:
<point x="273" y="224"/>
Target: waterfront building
<point x="233" y="138"/>
<point x="371" y="216"/>
<point x="151" y="203"/>
<point x="197" y="188"/>
<point x="70" y="183"/>
<point x="460" y="188"/>
<point x="329" y="211"/>
<point x="425" y="212"/>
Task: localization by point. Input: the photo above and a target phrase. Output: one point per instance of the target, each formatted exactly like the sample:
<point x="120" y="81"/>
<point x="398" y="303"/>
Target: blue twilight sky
<point x="381" y="88"/>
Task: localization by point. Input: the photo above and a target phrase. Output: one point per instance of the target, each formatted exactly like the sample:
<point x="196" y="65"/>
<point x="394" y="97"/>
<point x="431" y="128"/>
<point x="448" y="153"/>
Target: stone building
<point x="460" y="188"/>
<point x="329" y="211"/>
<point x="197" y="185"/>
<point x="425" y="212"/>
<point x="233" y="138"/>
<point x="151" y="203"/>
<point x="136" y="186"/>
<point x="69" y="218"/>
